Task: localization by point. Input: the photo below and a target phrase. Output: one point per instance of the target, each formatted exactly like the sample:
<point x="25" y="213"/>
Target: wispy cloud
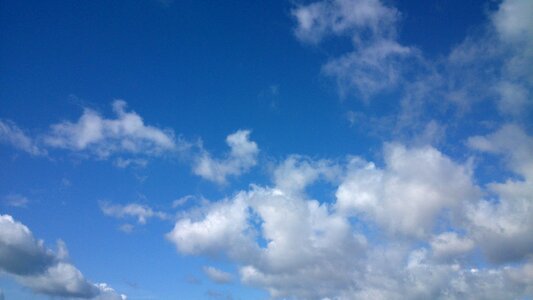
<point x="217" y="275"/>
<point x="132" y="210"/>
<point x="16" y="200"/>
<point x="11" y="134"/>
<point x="377" y="59"/>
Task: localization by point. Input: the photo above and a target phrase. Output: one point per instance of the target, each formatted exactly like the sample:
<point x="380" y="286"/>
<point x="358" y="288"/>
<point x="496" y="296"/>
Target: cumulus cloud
<point x="127" y="133"/>
<point x="217" y="275"/>
<point x="222" y="228"/>
<point x="306" y="249"/>
<point x="11" y="134"/>
<point x="242" y="156"/>
<point x="410" y="193"/>
<point x="401" y="231"/>
<point x="125" y="137"/>
<point x="295" y="173"/>
<point x="40" y="269"/>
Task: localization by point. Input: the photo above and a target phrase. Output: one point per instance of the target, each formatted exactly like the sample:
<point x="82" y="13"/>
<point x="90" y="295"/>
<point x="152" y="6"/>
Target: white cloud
<point x="344" y="17"/>
<point x="40" y="269"/>
<point x="60" y="279"/>
<point x="504" y="228"/>
<point x="223" y="229"/>
<point x="217" y="275"/>
<point x="491" y="65"/>
<point x="127" y="133"/>
<point x="296" y="247"/>
<point x="11" y="134"/>
<point x="377" y="60"/>
<point x="295" y="173"/>
<point x="513" y="20"/>
<point x="242" y="156"/>
<point x="306" y="249"/>
<point x="512" y="143"/>
<point x="407" y="196"/>
<point x="135" y="210"/>
<point x="371" y="69"/>
<point x="449" y="245"/>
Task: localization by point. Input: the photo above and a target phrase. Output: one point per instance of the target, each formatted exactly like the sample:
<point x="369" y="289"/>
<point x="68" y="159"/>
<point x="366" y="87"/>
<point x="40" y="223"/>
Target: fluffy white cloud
<point x="11" y="134"/>
<point x="127" y="133"/>
<point x="217" y="275"/>
<point x="40" y="269"/>
<point x="304" y="248"/>
<point x="410" y="193"/>
<point x="242" y="156"/>
<point x="513" y="20"/>
<point x="222" y="229"/>
<point x="299" y="248"/>
<point x="295" y="173"/>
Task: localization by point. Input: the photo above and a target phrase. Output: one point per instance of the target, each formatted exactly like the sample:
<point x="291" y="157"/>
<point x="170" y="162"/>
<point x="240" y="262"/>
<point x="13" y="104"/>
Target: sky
<point x="323" y="149"/>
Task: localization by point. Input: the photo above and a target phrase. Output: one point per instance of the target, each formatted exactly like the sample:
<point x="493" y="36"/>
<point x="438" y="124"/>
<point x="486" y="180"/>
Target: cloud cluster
<point x="490" y="66"/>
<point x="127" y="133"/>
<point x="410" y="193"/>
<point x="377" y="58"/>
<point x="40" y="269"/>
<point x="131" y="143"/>
<point x="94" y="134"/>
<point x="504" y="227"/>
<point x="242" y="156"/>
<point x="406" y="230"/>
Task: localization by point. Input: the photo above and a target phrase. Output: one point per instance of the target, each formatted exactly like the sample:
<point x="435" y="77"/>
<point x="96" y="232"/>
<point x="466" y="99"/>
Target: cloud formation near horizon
<point x="40" y="269"/>
<point x="423" y="207"/>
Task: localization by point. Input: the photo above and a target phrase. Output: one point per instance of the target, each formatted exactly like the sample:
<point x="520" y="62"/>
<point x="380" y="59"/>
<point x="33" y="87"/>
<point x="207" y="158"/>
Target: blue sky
<point x="327" y="149"/>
